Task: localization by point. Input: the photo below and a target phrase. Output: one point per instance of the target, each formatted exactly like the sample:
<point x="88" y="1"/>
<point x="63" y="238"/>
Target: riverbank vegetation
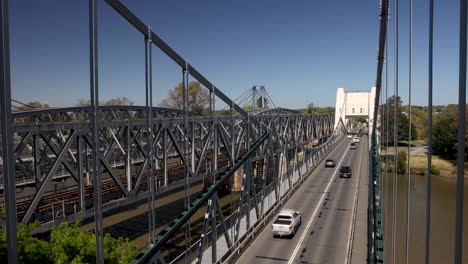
<point x="66" y="244"/>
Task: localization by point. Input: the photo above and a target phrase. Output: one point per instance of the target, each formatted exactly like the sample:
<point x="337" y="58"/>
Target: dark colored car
<point x="346" y="171"/>
<point x="352" y="145"/>
<point x="330" y="163"/>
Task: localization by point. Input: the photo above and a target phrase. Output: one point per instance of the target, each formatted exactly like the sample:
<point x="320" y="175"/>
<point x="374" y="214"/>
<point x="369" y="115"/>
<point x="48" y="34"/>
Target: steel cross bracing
<point x="54" y="144"/>
<point x="119" y="146"/>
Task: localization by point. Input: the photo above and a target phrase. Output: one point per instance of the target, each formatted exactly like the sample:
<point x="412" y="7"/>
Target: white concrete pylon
<point x="350" y="105"/>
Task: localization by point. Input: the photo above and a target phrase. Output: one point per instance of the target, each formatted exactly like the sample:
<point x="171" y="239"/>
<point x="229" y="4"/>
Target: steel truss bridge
<point x="112" y="156"/>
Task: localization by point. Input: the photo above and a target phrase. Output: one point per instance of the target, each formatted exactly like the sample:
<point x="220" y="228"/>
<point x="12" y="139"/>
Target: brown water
<point x="442" y="231"/>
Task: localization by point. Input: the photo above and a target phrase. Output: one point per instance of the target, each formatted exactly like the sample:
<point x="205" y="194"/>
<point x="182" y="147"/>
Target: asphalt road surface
<point x="326" y="203"/>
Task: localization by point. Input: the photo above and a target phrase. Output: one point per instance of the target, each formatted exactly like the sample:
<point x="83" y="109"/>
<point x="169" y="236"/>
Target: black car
<point x="346" y="171"/>
<point x="330" y="163"/>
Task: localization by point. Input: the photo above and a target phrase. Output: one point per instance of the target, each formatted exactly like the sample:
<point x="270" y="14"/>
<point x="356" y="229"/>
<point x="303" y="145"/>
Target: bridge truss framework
<point x="275" y="148"/>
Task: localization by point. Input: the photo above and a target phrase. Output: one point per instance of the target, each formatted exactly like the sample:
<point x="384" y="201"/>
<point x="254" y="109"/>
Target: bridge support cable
<point x="408" y="190"/>
<point x="461" y="131"/>
<point x="187" y="185"/>
<point x="118" y="6"/>
<point x="149" y="133"/>
<point x="386" y="129"/>
<point x="429" y="134"/>
<point x="94" y="97"/>
<point x="395" y="136"/>
<point x="6" y="133"/>
<point x="375" y="210"/>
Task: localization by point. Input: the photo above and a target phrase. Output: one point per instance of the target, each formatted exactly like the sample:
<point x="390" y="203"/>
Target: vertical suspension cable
<point x="149" y="131"/>
<point x="233" y="159"/>
<point x="382" y="130"/>
<point x="461" y="133"/>
<point x="7" y="137"/>
<point x="94" y="97"/>
<point x="408" y="191"/>
<point x="395" y="131"/>
<point x="429" y="142"/>
<point x="188" y="235"/>
<point x="386" y="129"/>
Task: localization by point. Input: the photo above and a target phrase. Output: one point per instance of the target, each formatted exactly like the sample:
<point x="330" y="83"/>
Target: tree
<point x="403" y="121"/>
<point x="310" y="108"/>
<point x="30" y="249"/>
<point x="112" y="102"/>
<point x="444" y="134"/>
<point x="67" y="245"/>
<point x="119" y="101"/>
<point x="404" y="128"/>
<point x="198" y="98"/>
<point x="32" y="105"/>
<point x="259" y="102"/>
<point x="401" y="162"/>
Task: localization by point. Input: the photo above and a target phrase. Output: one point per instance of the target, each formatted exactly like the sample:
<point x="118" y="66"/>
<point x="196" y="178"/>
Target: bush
<point x="67" y="245"/>
<point x="401" y="162"/>
<point x="419" y="171"/>
<point x="435" y="170"/>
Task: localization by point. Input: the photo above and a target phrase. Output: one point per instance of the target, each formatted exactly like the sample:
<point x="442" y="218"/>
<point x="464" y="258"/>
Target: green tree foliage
<point x="30" y="249"/>
<point x="118" y="101"/>
<point x="31" y="105"/>
<point x="444" y="132"/>
<point x="310" y="108"/>
<point x="111" y="102"/>
<point x="401" y="162"/>
<point x="403" y="131"/>
<point x="259" y="102"/>
<point x="313" y="109"/>
<point x="403" y="121"/>
<point x="67" y="245"/>
<point x="198" y="98"/>
<point x="419" y="119"/>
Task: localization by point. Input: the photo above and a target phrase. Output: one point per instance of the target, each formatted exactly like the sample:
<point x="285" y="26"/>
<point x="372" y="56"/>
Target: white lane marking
<point x="304" y="233"/>
<point x="353" y="219"/>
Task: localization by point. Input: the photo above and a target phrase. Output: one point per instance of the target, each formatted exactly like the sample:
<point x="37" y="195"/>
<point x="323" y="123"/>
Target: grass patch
<point x="442" y="167"/>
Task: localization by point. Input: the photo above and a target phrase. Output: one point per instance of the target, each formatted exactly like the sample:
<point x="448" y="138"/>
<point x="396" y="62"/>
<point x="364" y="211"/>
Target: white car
<point x="287" y="222"/>
<point x="350" y="136"/>
<point x="356" y="139"/>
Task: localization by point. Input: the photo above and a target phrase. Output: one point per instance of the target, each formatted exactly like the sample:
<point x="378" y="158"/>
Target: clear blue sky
<point x="301" y="50"/>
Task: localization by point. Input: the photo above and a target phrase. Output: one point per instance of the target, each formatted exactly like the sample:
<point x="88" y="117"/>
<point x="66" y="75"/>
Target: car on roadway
<point x="330" y="163"/>
<point x="286" y="223"/>
<point x="346" y="171"/>
<point x="350" y="136"/>
<point x="356" y="139"/>
<point x="352" y="145"/>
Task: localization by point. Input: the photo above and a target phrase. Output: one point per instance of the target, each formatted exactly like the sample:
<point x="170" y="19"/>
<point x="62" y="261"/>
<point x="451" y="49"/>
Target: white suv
<point x="287" y="222"/>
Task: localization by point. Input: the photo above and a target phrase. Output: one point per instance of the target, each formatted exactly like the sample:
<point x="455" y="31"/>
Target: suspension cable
<point x="408" y="200"/>
<point x="429" y="142"/>
<point x="461" y="133"/>
<point x="386" y="130"/>
<point x="395" y="132"/>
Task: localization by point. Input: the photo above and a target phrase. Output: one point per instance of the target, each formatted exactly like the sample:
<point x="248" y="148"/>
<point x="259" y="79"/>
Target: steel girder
<point x="48" y="152"/>
<point x="120" y="143"/>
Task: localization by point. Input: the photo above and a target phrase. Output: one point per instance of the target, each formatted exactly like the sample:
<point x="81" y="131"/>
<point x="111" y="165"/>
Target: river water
<point x="442" y="231"/>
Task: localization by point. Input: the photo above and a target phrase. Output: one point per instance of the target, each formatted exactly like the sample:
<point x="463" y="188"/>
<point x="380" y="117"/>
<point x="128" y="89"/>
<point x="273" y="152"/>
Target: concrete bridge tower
<point x="350" y="105"/>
